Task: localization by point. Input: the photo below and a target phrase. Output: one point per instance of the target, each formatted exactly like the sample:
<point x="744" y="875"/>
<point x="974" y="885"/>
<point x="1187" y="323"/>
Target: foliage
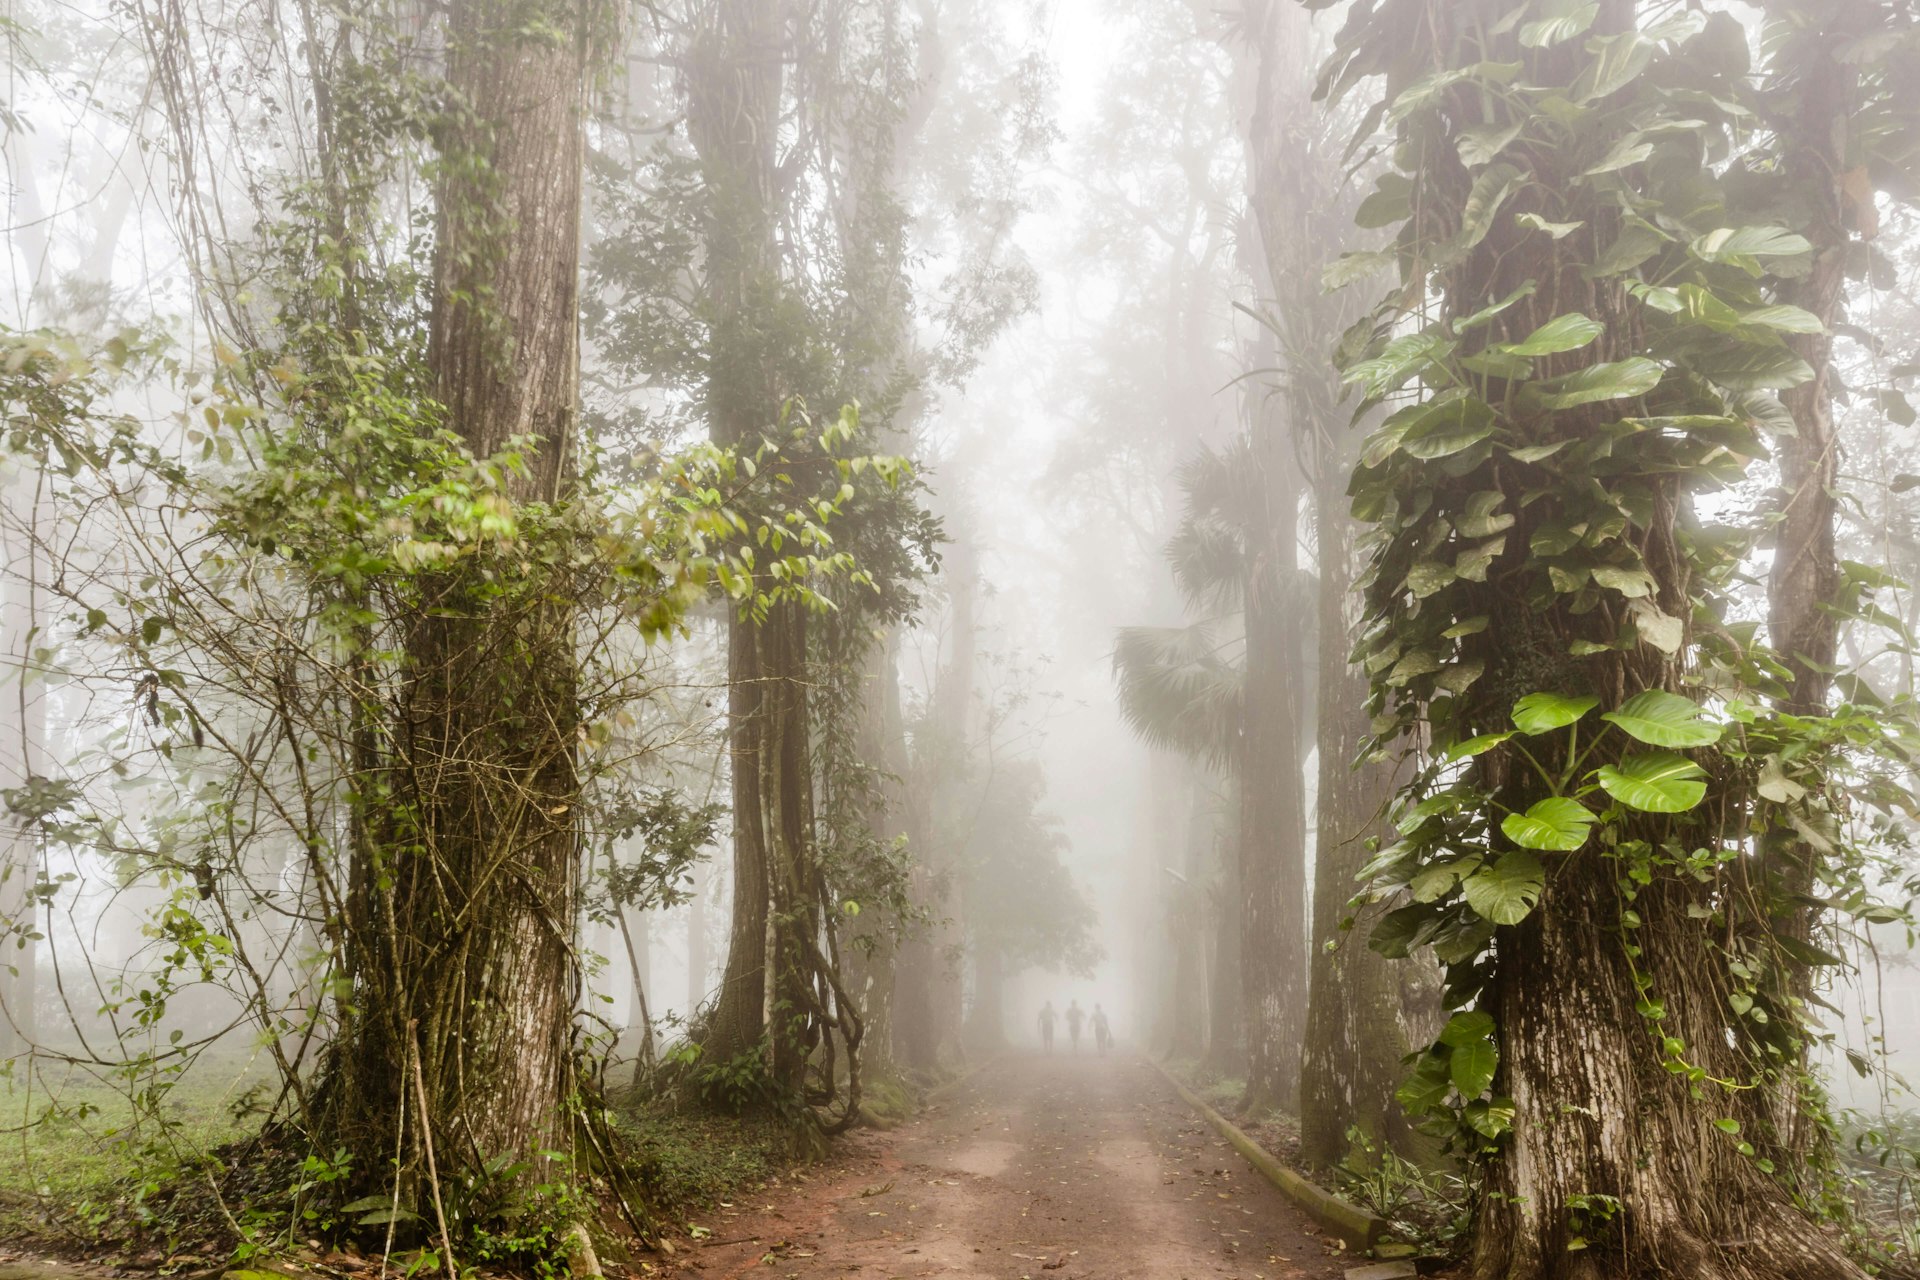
<point x="1589" y="335"/>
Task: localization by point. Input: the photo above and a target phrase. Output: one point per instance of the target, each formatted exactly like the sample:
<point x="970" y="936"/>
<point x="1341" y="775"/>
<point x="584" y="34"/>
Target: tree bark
<point x="467" y="884"/>
<point x="23" y="729"/>
<point x="735" y="81"/>
<point x="1356" y="1034"/>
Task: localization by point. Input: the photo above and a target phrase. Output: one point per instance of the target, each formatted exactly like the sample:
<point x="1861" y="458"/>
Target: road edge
<point x="1355" y="1226"/>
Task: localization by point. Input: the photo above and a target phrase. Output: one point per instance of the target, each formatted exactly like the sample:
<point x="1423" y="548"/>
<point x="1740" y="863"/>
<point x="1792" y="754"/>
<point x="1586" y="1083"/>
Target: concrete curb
<point x="1350" y="1223"/>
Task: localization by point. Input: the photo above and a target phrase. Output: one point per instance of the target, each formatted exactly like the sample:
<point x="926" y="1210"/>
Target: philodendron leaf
<point x="1472" y="1066"/>
<point x="1662" y="719"/>
<point x="1474" y="1054"/>
<point x="1545" y="712"/>
<point x="1475" y="745"/>
<point x="1506" y="891"/>
<point x="1563" y="20"/>
<point x="1569" y="332"/>
<point x="1750" y="242"/>
<point x="1614" y="380"/>
<point x="1557" y="824"/>
<point x="1656" y="782"/>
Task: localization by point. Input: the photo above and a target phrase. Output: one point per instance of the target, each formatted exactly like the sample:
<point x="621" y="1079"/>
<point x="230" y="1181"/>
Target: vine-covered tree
<point x="1627" y="842"/>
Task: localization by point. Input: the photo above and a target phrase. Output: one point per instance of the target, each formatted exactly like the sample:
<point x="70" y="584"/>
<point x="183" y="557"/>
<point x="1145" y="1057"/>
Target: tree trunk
<point x="928" y="1003"/>
<point x="1356" y="1034"/>
<point x="466" y="890"/>
<point x="1805" y="578"/>
<point x="987" y="1018"/>
<point x="23" y="728"/>
<point x="1272" y="837"/>
<point x="698" y="962"/>
<point x="734" y="86"/>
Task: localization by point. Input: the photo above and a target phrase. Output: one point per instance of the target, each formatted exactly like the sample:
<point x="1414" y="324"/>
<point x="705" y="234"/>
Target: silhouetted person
<point x="1102" y="1033"/>
<point x="1075" y="1016"/>
<point x="1047" y="1016"/>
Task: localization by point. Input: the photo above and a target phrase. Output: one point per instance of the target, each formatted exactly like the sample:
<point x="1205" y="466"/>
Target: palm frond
<point x="1180" y="690"/>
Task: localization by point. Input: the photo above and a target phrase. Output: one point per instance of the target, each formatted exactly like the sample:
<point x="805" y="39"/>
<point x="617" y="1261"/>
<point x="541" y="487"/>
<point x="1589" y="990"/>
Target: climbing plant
<point x="1630" y="852"/>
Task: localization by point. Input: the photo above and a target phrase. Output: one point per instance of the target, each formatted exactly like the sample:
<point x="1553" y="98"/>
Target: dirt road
<point x="1037" y="1168"/>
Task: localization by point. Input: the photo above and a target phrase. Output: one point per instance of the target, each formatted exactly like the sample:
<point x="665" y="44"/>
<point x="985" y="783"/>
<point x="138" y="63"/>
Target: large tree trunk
<point x="466" y="894"/>
<point x="734" y="86"/>
<point x="1615" y="1164"/>
<point x="1356" y="1036"/>
<point x="928" y="1003"/>
<point x="883" y="750"/>
<point x="1272" y="838"/>
<point x="1805" y="578"/>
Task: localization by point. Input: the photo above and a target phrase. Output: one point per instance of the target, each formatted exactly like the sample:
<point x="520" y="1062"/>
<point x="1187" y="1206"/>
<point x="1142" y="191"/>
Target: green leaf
<point x="1447" y="427"/>
<point x="1505" y="892"/>
<point x="1557" y="824"/>
<point x="1561" y="21"/>
<point x="1480" y="144"/>
<point x="1468" y="1027"/>
<point x="1569" y="332"/>
<point x="1431" y="883"/>
<point x="1627" y="151"/>
<point x="1427" y="577"/>
<point x="1481" y="517"/>
<point x="1614" y="380"/>
<point x="1727" y="1126"/>
<point x="1545" y="712"/>
<point x="1471" y="1067"/>
<point x="1749" y="242"/>
<point x="1493" y="309"/>
<point x="1638" y="241"/>
<point x="1427" y="1087"/>
<point x="1350" y="268"/>
<point x="1631" y="583"/>
<point x="1662" y="719"/>
<point x="1784" y="319"/>
<point x="1558" y="230"/>
<point x="1479" y="743"/>
<point x="1656" y="782"/>
<point x="1617" y="61"/>
<point x="1491" y="189"/>
<point x="150" y="630"/>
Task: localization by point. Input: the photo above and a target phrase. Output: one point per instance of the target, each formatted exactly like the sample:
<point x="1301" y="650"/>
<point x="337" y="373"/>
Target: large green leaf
<point x="1448" y="427"/>
<point x="1569" y="332"/>
<point x="1479" y="743"/>
<point x="1662" y="719"/>
<point x="1558" y="230"/>
<point x="1545" y="712"/>
<point x="1557" y="825"/>
<point x="1613" y="380"/>
<point x="1560" y="20"/>
<point x="1472" y="1065"/>
<point x="1490" y="191"/>
<point x="1506" y="891"/>
<point x="1656" y="782"/>
<point x="1481" y="143"/>
<point x="1749" y="242"/>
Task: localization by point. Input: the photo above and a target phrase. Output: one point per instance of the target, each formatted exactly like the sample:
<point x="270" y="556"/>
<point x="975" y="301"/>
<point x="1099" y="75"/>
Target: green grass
<point x="81" y="1148"/>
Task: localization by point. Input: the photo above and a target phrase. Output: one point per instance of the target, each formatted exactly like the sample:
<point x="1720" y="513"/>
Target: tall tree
<point x="734" y="77"/>
<point x="1589" y="330"/>
<point x="1272" y="872"/>
<point x="466" y="896"/>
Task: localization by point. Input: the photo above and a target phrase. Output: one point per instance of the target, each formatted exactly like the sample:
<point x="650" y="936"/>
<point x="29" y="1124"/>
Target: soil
<point x="1073" y="1167"/>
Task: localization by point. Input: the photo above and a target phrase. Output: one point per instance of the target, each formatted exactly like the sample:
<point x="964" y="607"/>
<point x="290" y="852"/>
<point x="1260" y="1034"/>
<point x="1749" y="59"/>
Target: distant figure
<point x="1102" y="1033"/>
<point x="1047" y="1016"/>
<point x="1075" y="1016"/>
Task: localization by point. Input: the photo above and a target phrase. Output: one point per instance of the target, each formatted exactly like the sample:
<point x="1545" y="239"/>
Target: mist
<point x="615" y="616"/>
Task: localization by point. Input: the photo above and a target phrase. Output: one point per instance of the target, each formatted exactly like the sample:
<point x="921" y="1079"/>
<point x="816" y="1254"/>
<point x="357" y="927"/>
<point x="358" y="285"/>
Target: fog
<point x="1137" y="636"/>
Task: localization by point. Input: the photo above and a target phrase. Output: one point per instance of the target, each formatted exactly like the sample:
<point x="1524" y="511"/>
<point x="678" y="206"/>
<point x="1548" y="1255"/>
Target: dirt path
<point x="1038" y="1168"/>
